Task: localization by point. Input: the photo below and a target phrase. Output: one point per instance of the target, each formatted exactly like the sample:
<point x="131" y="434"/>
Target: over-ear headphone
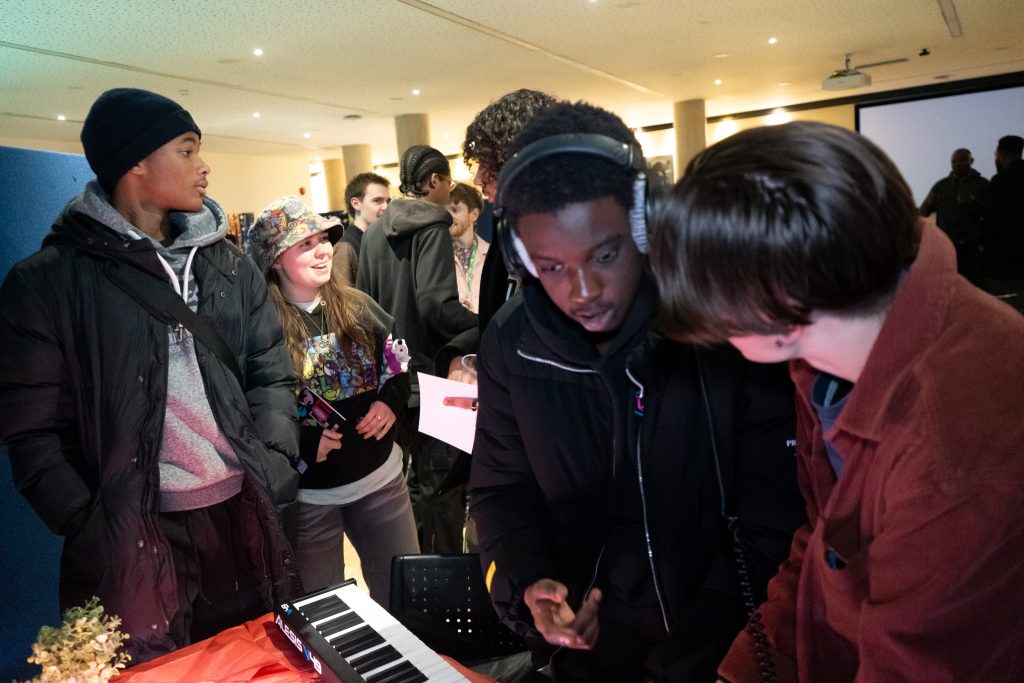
<point x="623" y="154"/>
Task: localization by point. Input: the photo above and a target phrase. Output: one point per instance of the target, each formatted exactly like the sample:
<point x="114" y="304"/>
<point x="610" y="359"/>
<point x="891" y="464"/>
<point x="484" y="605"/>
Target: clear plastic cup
<point x="469" y="368"/>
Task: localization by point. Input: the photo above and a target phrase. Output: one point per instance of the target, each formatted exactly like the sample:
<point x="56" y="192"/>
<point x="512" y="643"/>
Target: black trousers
<point x="439" y="518"/>
<point x="218" y="573"/>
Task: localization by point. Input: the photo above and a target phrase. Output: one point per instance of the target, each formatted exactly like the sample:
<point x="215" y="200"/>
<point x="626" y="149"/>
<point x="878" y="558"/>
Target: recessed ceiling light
<point x="721" y="55"/>
<point x="258" y="52"/>
<point x="306" y="135"/>
<point x="718" y="81"/>
<point x="784" y="83"/>
<point x="773" y="40"/>
<point x="415" y="91"/>
<point x="61" y="117"/>
<point x="778" y="116"/>
<point x="255" y="114"/>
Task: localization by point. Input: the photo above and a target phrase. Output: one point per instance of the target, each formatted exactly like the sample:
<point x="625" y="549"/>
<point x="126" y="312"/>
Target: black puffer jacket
<point x="579" y="457"/>
<point x="83" y="387"/>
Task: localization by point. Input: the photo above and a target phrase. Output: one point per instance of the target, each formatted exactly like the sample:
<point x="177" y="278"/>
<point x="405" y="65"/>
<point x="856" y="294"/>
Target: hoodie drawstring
<point x="181" y="289"/>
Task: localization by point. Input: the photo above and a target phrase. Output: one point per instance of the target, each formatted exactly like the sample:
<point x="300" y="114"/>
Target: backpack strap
<point x="165" y="305"/>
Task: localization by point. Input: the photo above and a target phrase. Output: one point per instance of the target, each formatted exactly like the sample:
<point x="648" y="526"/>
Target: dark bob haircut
<point x="775" y="223"/>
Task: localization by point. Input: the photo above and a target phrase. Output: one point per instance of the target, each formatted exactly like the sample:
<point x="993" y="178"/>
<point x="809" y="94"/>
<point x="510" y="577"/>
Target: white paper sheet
<point x="453" y="425"/>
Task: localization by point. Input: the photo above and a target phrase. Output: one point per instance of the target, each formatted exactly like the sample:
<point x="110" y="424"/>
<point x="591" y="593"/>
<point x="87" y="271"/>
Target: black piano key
<point x="375" y="660"/>
<point x="356" y="641"/>
<point x="337" y="625"/>
<point x="404" y="672"/>
<point x="324" y="607"/>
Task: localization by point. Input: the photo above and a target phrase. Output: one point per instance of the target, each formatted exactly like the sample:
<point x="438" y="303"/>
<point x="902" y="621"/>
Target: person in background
<point x="406" y="265"/>
<point x="626" y="490"/>
<point x="487" y="147"/>
<point x="909" y="383"/>
<point x="957" y="202"/>
<point x="1003" y="229"/>
<point x="340" y="342"/>
<point x="366" y="199"/>
<point x="464" y="205"/>
<point x="136" y="442"/>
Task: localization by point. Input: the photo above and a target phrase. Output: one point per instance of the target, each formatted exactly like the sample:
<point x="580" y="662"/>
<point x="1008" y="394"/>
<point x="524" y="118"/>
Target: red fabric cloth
<point x="909" y="567"/>
<point x="254" y="651"/>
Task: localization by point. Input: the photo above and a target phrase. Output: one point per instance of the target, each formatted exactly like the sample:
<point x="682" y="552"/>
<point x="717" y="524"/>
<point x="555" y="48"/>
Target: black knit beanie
<point x="418" y="162"/>
<point x="124" y="126"/>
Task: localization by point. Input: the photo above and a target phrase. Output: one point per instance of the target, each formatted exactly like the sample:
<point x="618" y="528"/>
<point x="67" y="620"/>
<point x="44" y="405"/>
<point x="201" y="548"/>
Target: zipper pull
<point x="639" y="410"/>
<point x="179" y="333"/>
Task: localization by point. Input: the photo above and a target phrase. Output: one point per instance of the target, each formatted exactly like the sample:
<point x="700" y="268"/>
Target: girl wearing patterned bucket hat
<point x="340" y="341"/>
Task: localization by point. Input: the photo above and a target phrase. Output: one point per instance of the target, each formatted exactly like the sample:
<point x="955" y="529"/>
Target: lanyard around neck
<point x="469" y="268"/>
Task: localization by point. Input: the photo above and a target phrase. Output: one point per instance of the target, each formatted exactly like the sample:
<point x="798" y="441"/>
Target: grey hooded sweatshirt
<point x="198" y="467"/>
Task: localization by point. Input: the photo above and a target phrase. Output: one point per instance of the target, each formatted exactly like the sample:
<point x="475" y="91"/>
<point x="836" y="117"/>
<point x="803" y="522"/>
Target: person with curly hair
<point x="487" y="147"/>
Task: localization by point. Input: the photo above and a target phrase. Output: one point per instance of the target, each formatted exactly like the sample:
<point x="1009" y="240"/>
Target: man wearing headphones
<point x="611" y="465"/>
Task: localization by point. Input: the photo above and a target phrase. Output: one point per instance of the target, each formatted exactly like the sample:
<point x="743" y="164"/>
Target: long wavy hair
<point x="345" y="313"/>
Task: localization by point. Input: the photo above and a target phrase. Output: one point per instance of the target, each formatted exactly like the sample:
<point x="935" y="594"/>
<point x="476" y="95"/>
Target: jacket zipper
<point x="545" y="361"/>
<point x="640" y="476"/>
<point x="643" y="501"/>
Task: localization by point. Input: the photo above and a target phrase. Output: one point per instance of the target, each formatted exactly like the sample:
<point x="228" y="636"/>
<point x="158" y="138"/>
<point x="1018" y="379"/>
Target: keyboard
<point x="349" y="638"/>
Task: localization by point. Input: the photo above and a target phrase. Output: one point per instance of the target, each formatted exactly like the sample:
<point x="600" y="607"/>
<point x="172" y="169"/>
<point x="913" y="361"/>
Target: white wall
<point x="921" y="135"/>
<point x="244" y="183"/>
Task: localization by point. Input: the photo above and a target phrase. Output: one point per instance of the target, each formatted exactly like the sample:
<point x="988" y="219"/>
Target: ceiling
<point x="326" y="62"/>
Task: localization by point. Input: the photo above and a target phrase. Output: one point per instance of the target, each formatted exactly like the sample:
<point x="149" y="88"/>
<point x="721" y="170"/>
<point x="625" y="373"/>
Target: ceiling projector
<point x="845" y="78"/>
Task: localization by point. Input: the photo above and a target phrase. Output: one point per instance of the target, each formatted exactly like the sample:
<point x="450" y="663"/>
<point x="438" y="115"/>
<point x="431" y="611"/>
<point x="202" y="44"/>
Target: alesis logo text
<point x="299" y="645"/>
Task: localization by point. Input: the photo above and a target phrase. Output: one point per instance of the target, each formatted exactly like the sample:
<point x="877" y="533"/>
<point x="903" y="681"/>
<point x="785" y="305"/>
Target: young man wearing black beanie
<point x="157" y="458"/>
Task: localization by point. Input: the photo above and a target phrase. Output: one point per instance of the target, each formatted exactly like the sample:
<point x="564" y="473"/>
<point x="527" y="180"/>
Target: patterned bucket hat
<point x="284" y="223"/>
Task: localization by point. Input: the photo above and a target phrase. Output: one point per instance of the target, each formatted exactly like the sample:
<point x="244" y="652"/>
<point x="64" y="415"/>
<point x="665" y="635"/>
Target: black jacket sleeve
<point x="269" y="380"/>
<point x="437" y="292"/>
<point x="37" y="412"/>
<point x="506" y="502"/>
<point x="753" y="415"/>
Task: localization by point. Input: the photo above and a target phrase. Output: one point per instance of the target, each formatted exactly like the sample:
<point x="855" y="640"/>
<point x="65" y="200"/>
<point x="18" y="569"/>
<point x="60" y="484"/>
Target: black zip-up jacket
<point x="83" y="388"/>
<point x="572" y="446"/>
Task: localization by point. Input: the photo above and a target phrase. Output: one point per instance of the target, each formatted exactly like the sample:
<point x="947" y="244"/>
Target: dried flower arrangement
<point x="85" y="649"/>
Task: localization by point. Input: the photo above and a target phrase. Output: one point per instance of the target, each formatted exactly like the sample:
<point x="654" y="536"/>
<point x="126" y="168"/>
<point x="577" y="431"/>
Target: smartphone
<point x="313" y="405"/>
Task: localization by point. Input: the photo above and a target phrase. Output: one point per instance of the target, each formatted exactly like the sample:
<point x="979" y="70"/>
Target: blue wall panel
<point x="34" y="187"/>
